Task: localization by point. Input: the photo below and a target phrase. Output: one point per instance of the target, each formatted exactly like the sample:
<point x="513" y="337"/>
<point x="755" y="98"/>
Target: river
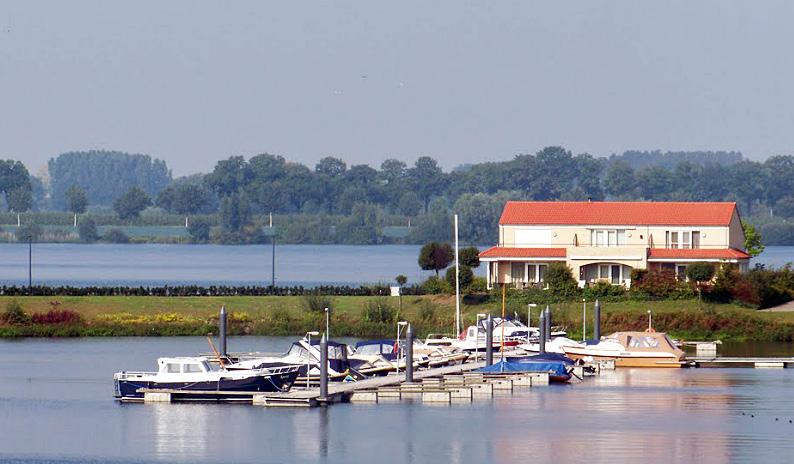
<point x="56" y="405"/>
<point x="152" y="264"/>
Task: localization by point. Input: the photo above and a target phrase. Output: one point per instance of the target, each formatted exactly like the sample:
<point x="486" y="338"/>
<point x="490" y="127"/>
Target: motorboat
<point x="306" y="355"/>
<point x="631" y="349"/>
<point x="197" y="374"/>
<point x="376" y="351"/>
<point x="513" y="331"/>
<point x="557" y="366"/>
<point x="440" y="355"/>
<point x="470" y="340"/>
<point x="555" y="345"/>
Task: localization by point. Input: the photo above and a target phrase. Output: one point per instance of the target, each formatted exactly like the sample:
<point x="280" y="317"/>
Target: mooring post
<point x="548" y="323"/>
<point x="323" y="367"/>
<point x="542" y="327"/>
<point x="597" y="322"/>
<point x="409" y="355"/>
<point x="488" y="341"/>
<point x="222" y="329"/>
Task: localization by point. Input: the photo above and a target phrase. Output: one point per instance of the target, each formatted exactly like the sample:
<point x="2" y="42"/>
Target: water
<point x="56" y="406"/>
<point x="152" y="264"/>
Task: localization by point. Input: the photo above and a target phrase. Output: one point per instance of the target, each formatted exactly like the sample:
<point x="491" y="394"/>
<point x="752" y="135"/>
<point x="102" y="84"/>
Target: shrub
<point x="435" y="256"/>
<point x="379" y="310"/>
<point x="57" y="316"/>
<point x="604" y="290"/>
<point x="316" y="303"/>
<point x="87" y="230"/>
<point x="700" y="272"/>
<point x="427" y="310"/>
<point x="654" y="284"/>
<point x="433" y="285"/>
<point x="478" y="285"/>
<point x="559" y="280"/>
<point x="116" y="236"/>
<point x="15" y="314"/>
<point x="465" y="276"/>
<point x="469" y="256"/>
<point x="199" y="230"/>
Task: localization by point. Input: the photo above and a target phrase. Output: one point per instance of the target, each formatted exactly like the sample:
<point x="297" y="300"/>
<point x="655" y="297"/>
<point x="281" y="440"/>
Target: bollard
<point x="488" y="341"/>
<point x="597" y="322"/>
<point x="323" y="368"/>
<point x="542" y="338"/>
<point x="222" y="330"/>
<point x="548" y="323"/>
<point x="409" y="355"/>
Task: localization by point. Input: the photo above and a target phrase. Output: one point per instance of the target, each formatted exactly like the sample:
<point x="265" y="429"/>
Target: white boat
<point x="197" y="374"/>
<point x="555" y="345"/>
<point x="631" y="349"/>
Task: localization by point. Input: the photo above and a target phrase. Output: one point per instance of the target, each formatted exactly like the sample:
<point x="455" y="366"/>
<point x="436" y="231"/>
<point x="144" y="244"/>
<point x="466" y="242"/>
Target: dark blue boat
<point x="557" y="366"/>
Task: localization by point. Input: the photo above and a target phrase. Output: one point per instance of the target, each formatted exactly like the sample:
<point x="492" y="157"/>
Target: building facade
<point x="604" y="241"/>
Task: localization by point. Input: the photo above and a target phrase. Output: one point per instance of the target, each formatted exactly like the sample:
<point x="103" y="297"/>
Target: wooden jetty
<point x="727" y="361"/>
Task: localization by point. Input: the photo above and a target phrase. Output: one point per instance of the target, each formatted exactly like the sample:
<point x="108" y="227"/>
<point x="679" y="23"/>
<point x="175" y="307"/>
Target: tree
<point x="235" y="212"/>
<point x="77" y="199"/>
<point x="559" y="280"/>
<point x="435" y="256"/>
<point x="20" y="199"/>
<point x="699" y="273"/>
<point x="469" y="256"/>
<point x="188" y="198"/>
<point x="199" y="230"/>
<point x="401" y="280"/>
<point x="130" y="205"/>
<point x="619" y="181"/>
<point x="88" y="230"/>
<point x="330" y="166"/>
<point x="116" y="236"/>
<point x="785" y="207"/>
<point x="229" y="176"/>
<point x="409" y="204"/>
<point x="465" y="276"/>
<point x="753" y="243"/>
<point x="427" y="179"/>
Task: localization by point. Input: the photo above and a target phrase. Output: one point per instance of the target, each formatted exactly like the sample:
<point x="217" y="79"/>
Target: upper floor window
<point x="607" y="237"/>
<point x="682" y="239"/>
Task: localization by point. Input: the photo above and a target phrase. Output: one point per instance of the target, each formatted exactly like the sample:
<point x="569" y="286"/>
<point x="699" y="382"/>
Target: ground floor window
<point x="607" y="272"/>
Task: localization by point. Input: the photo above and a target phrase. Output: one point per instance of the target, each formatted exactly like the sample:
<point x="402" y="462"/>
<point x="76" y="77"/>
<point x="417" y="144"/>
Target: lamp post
<point x="584" y="319"/>
<point x="529" y="318"/>
<point x="308" y="364"/>
<point x="400" y="325"/>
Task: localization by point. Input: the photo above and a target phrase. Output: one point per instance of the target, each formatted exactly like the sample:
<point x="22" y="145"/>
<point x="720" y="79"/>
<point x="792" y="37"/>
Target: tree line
<point x="356" y="204"/>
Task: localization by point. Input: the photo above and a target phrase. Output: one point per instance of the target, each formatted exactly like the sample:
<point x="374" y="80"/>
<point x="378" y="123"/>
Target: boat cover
<point x="552" y="367"/>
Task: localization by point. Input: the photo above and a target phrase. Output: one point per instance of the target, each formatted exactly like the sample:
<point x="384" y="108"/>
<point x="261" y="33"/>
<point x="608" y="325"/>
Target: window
<point x="193" y="368"/>
<point x="172" y="368"/>
<point x="541" y="272"/>
<point x="680" y="272"/>
<point x="682" y="239"/>
<point x="643" y="342"/>
<point x="695" y="239"/>
<point x="608" y="237"/>
<point x="517" y="272"/>
<point x="603" y="271"/>
<point x="532" y="272"/>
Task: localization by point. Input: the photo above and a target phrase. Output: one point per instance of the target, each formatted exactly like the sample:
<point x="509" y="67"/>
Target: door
<point x="615" y="274"/>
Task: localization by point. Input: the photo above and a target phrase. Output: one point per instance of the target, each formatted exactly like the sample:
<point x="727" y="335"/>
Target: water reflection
<point x="181" y="430"/>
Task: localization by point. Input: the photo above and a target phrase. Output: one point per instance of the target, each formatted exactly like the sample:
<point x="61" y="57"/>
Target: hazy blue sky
<point x="193" y="82"/>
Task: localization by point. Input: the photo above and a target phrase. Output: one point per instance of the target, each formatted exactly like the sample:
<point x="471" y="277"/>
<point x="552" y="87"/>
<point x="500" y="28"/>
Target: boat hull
<point x="630" y="361"/>
<point x="128" y="389"/>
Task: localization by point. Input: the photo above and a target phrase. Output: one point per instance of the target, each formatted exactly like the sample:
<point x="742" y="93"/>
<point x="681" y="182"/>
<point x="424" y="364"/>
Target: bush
<point x="28" y="233"/>
<point x="57" y="316"/>
<point x="427" y="310"/>
<point x="199" y="230"/>
<point x="15" y="314"/>
<point x="465" y="276"/>
<point x="604" y="290"/>
<point x="700" y="272"/>
<point x="654" y="284"/>
<point x="316" y="303"/>
<point x="116" y="236"/>
<point x="433" y="285"/>
<point x="478" y="285"/>
<point x="88" y="230"/>
<point x="379" y="310"/>
<point x="559" y="280"/>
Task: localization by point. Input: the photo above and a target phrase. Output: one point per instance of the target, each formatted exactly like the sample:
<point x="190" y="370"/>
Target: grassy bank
<point x="365" y="316"/>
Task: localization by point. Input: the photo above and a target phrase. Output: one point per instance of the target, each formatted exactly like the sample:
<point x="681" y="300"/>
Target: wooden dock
<point x="726" y="361"/>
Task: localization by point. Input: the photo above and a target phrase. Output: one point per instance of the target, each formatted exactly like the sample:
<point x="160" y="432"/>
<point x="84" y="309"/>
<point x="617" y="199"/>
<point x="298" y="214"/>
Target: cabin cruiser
<point x="440" y="355"/>
<point x="555" y="345"/>
<point x="631" y="349"/>
<point x="197" y="374"/>
<point x="470" y="340"/>
<point x="341" y="362"/>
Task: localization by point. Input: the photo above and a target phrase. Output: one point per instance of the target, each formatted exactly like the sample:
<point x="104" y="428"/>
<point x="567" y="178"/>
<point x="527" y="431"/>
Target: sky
<point x="192" y="82"/>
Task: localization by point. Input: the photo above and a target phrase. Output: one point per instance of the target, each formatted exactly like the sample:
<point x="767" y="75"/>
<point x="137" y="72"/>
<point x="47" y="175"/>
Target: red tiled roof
<point x="505" y="252"/>
<point x="700" y="253"/>
<point x="618" y="213"/>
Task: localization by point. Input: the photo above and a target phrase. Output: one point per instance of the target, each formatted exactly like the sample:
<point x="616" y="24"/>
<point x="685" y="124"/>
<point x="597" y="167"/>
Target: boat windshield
<point x="208" y="367"/>
<point x="375" y="349"/>
<point x="301" y="352"/>
<point x="643" y="341"/>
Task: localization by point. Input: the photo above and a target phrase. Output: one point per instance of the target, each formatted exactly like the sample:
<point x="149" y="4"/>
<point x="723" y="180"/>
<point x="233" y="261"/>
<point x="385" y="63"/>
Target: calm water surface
<point x="151" y="264"/>
<point x="56" y="406"/>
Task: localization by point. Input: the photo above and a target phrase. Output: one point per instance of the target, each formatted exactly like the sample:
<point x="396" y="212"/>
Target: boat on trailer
<point x="197" y="374"/>
<point x="631" y="349"/>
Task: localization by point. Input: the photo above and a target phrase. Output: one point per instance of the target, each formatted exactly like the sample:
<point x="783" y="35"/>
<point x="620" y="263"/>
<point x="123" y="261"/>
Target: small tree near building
<point x="469" y="256"/>
<point x="466" y="276"/>
<point x="699" y="273"/>
<point x="752" y="240"/>
<point x="435" y="256"/>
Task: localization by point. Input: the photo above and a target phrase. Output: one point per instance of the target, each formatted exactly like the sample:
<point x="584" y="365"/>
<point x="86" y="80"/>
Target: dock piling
<point x="548" y="323"/>
<point x="542" y="327"/>
<point x="488" y="341"/>
<point x="409" y="355"/>
<point x="323" y="368"/>
<point x="597" y="321"/>
<point x="222" y="329"/>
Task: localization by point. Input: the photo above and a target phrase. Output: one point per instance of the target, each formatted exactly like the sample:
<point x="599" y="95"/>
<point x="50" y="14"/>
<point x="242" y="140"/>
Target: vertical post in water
<point x="409" y="355"/>
<point x="323" y="367"/>
<point x="542" y="338"/>
<point x="548" y="323"/>
<point x="584" y="319"/>
<point x="30" y="262"/>
<point x="597" y="321"/>
<point x="222" y="329"/>
<point x="273" y="260"/>
<point x="488" y="341"/>
<point x="457" y="281"/>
